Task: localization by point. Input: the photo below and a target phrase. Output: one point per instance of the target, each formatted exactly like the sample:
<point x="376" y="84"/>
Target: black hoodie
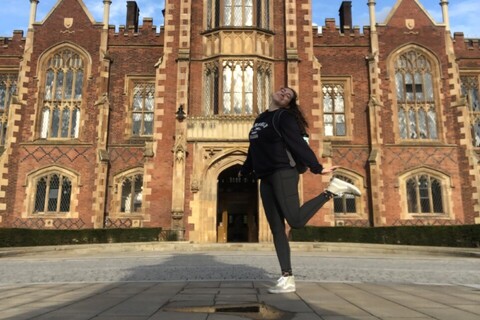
<point x="266" y="153"/>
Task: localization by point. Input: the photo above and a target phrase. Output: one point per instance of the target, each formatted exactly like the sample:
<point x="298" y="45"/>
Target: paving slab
<point x="163" y="300"/>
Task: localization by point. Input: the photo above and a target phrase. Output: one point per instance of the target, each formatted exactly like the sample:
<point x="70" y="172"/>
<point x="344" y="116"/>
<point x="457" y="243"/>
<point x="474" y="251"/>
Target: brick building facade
<point x="136" y="128"/>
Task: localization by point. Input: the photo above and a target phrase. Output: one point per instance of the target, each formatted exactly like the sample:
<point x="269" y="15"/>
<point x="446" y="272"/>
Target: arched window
<point x="425" y="194"/>
<point x="244" y="89"/>
<point x="62" y="100"/>
<point x="8" y="86"/>
<point x="346" y="203"/>
<point x="238" y="13"/>
<point x="417" y="112"/>
<point x="53" y="193"/>
<point x="470" y="89"/>
<point x="131" y="188"/>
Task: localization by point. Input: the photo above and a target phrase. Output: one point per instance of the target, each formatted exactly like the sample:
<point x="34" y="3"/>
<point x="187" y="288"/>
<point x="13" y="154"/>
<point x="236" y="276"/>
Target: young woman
<point x="267" y="158"/>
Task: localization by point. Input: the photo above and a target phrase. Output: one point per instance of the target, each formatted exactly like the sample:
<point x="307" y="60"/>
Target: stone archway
<point x="212" y="162"/>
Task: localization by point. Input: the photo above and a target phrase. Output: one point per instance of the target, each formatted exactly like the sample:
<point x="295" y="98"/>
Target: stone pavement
<point x="231" y="299"/>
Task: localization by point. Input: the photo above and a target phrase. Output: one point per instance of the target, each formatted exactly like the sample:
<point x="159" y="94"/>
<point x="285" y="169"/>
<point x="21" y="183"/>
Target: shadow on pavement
<point x="177" y="288"/>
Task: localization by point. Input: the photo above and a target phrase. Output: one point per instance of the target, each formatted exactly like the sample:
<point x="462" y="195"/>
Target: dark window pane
<point x="40" y="195"/>
<point x="66" y="194"/>
<point x="53" y="193"/>
<point x="55" y="123"/>
<point x="412" y="195"/>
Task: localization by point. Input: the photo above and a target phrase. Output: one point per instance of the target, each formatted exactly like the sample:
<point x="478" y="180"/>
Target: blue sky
<point x="463" y="13"/>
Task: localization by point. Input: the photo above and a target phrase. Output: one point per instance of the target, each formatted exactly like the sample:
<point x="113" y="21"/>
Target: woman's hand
<point x="329" y="170"/>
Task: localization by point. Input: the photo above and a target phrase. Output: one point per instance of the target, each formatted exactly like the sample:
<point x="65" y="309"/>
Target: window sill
<point x="236" y="28"/>
<point x="348" y="216"/>
<point x="412" y="216"/>
<point x="125" y="215"/>
<point x="140" y="139"/>
<point x="49" y="215"/>
<point x="421" y="144"/>
<point x="338" y="138"/>
<point x="75" y="142"/>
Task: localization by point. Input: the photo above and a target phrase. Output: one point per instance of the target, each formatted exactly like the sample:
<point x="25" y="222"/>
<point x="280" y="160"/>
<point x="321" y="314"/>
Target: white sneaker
<point x="339" y="187"/>
<point x="284" y="285"/>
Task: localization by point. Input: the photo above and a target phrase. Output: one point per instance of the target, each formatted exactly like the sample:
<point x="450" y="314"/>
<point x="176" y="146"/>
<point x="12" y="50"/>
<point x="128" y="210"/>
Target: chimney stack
<point x="345" y="16"/>
<point x="133" y="13"/>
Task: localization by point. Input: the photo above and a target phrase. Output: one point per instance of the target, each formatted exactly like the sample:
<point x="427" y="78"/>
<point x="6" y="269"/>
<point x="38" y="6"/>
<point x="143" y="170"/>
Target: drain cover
<point x="251" y="311"/>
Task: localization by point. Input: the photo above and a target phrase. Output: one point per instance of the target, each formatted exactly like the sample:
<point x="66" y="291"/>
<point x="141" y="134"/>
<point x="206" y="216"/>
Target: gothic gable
<point x="409" y="14"/>
<point x="69" y="11"/>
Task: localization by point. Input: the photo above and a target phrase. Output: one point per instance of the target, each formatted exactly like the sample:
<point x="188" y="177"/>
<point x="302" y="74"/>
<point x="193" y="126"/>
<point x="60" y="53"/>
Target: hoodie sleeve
<point x="247" y="167"/>
<point x="296" y="144"/>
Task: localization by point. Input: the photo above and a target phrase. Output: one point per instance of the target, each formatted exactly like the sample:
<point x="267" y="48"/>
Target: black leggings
<point x="281" y="202"/>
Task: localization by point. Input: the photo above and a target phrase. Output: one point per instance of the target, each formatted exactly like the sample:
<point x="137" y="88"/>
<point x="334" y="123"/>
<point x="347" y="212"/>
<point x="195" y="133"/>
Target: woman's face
<point x="283" y="97"/>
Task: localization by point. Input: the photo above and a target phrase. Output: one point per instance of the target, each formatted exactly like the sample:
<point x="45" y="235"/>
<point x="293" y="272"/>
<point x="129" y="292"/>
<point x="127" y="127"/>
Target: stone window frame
<point x="446" y="193"/>
<point x="474" y="114"/>
<point x="345" y="197"/>
<point x="213" y="95"/>
<point x="436" y="84"/>
<point x="215" y="14"/>
<point x="347" y="83"/>
<point x="41" y="77"/>
<point x="118" y="181"/>
<point x="360" y="202"/>
<point x="130" y="83"/>
<point x="31" y="188"/>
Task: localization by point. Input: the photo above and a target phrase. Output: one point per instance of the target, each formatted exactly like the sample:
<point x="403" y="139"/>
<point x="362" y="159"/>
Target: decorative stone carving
<point x="177" y="215"/>
<point x="179" y="149"/>
<point x="195" y="186"/>
<point x="410" y="24"/>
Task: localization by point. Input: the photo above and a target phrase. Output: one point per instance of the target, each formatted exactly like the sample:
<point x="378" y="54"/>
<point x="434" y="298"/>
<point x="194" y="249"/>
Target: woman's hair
<point x="294" y="108"/>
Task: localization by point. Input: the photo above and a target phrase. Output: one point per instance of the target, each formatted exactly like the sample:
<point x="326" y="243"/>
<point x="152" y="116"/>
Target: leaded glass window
<point x="334" y="118"/>
<point x="346" y="203"/>
<point x="476" y="133"/>
<point x="52" y="194"/>
<point x="470" y="89"/>
<point x="240" y="87"/>
<point x="8" y="86"/>
<point x="131" y="193"/>
<point x="62" y="97"/>
<point x="238" y="13"/>
<point x="417" y="113"/>
<point x="264" y="79"/>
<point x="3" y="132"/>
<point x="143" y="100"/>
<point x="424" y="195"/>
<point x="211" y="89"/>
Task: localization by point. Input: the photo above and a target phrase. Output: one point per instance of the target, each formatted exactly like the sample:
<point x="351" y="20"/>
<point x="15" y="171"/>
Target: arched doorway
<point x="237" y="207"/>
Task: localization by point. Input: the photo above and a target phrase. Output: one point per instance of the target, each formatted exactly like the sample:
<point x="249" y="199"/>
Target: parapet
<point x="12" y="45"/>
<point x="147" y="28"/>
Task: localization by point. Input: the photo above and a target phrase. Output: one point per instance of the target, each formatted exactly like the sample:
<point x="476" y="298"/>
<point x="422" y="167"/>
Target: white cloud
<point x="464" y="17"/>
<point x="382" y="13"/>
